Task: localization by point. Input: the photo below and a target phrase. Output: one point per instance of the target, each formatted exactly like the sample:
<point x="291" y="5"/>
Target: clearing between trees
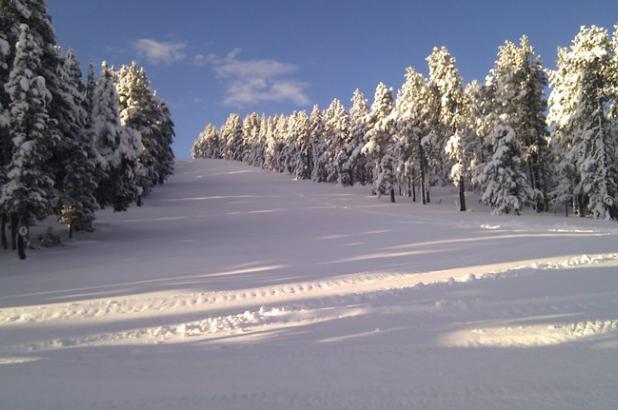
<point x="234" y="288"/>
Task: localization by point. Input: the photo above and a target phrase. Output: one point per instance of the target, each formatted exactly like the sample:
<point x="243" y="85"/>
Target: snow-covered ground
<point x="237" y="288"/>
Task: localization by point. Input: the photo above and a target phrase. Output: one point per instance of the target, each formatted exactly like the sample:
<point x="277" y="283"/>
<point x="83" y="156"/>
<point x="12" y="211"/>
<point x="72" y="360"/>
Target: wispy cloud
<point x="254" y="81"/>
<point x="160" y="52"/>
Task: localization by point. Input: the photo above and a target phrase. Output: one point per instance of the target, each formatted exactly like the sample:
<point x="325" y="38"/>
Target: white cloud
<point x="157" y="52"/>
<point x="253" y="81"/>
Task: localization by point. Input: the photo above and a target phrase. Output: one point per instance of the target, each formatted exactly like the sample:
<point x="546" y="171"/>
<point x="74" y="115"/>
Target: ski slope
<point x="237" y="288"/>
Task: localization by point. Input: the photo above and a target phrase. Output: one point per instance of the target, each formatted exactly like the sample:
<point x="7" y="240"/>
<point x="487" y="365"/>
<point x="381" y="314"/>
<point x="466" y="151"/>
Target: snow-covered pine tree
<point x="206" y="143"/>
<point x="579" y="113"/>
<point x="483" y="119"/>
<point x="290" y="147"/>
<point x="28" y="193"/>
<point x="118" y="147"/>
<point x="416" y="113"/>
<point x="280" y="134"/>
<point x="380" y="132"/>
<point x="198" y="148"/>
<point x="450" y="133"/>
<point x="302" y="160"/>
<point x="5" y="141"/>
<point x="165" y="135"/>
<point x="231" y="137"/>
<point x="357" y="164"/>
<point x="250" y="130"/>
<point x="139" y="111"/>
<point x="256" y="156"/>
<point x="75" y="161"/>
<point x="270" y="146"/>
<point x="507" y="189"/>
<point x="318" y="145"/>
<point x="519" y="80"/>
<point x="336" y="135"/>
<point x="13" y="14"/>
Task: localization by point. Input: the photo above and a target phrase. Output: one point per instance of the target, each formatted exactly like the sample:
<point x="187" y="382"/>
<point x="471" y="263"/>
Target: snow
<point x="236" y="288"/>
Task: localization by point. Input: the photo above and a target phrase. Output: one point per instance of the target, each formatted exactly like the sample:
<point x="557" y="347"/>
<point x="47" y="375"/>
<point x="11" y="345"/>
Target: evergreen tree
<point x="318" y="144"/>
<point x="357" y="164"/>
<point x="451" y="131"/>
<point x="416" y="113"/>
<point x="250" y="130"/>
<point x="231" y="137"/>
<point x="519" y="80"/>
<point x="118" y="147"/>
<point x="5" y="141"/>
<point x="139" y="111"/>
<point x="381" y="129"/>
<point x="580" y="114"/>
<point x="280" y="134"/>
<point x="336" y="135"/>
<point x="271" y="145"/>
<point x="28" y="193"/>
<point x="207" y="143"/>
<point x="507" y="186"/>
<point x="165" y="130"/>
<point x="75" y="161"/>
<point x="302" y="160"/>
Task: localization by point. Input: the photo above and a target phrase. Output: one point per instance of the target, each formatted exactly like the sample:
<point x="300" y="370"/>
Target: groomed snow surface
<point x="237" y="288"/>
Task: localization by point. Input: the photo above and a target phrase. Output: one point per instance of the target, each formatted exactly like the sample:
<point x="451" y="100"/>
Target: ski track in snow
<point x="328" y="300"/>
<point x="353" y="284"/>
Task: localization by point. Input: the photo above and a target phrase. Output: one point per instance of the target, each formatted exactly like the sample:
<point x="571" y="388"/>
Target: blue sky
<point x="208" y="58"/>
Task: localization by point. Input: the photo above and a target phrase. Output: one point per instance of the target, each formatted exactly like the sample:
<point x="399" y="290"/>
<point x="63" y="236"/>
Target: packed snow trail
<point x="236" y="288"/>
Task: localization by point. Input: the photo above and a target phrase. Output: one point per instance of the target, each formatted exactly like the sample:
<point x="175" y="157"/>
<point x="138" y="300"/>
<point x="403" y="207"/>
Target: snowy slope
<point x="236" y="288"/>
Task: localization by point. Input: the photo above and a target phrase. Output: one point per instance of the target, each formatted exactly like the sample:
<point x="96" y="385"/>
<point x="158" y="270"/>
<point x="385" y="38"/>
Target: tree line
<point x="67" y="146"/>
<point x="501" y="137"/>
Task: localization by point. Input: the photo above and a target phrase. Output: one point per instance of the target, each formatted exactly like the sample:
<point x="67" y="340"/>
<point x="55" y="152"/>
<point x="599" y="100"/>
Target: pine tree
<point x="416" y="113"/>
<point x="336" y="135"/>
<point x="519" y="80"/>
<point x="357" y="164"/>
<point x="451" y="131"/>
<point x="29" y="191"/>
<point x="231" y="137"/>
<point x="280" y="134"/>
<point x="75" y="157"/>
<point x="250" y="130"/>
<point x="318" y="144"/>
<point x="118" y="147"/>
<point x="579" y="114"/>
<point x="302" y="159"/>
<point x="482" y="122"/>
<point x="381" y="129"/>
<point x="164" y="126"/>
<point x="5" y="141"/>
<point x="139" y="111"/>
<point x="271" y="145"/>
<point x="507" y="186"/>
<point x="206" y="144"/>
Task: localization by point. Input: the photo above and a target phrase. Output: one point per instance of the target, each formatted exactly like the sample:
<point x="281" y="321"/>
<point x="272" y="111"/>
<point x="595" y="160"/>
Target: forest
<point x="527" y="136"/>
<point x="70" y="146"/>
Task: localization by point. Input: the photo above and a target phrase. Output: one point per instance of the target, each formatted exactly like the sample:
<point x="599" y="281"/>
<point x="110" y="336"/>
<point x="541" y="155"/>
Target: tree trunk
<point x="392" y="195"/>
<point x="413" y="190"/>
<point x="422" y="161"/>
<point x="13" y="232"/>
<point x="70" y="231"/>
<point x="427" y="192"/>
<point x="409" y="187"/>
<point x="566" y="208"/>
<point x="21" y="242"/>
<point x="5" y="243"/>
<point x="462" y="195"/>
<point x="139" y="201"/>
